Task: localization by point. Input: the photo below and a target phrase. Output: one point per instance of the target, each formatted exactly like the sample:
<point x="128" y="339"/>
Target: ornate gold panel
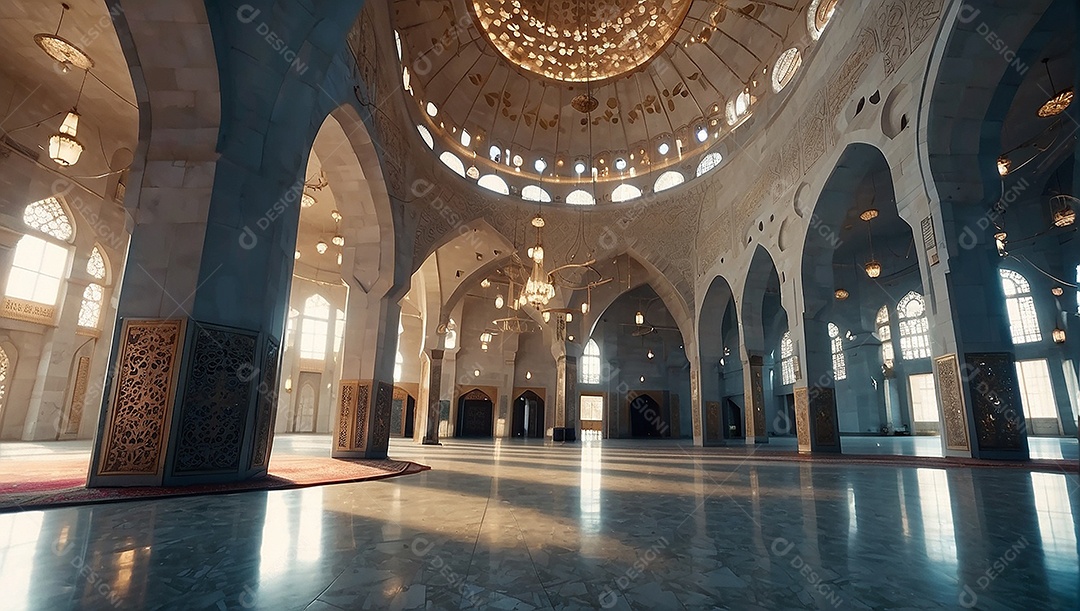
<point x="802" y="417"/>
<point x="78" y="397"/>
<point x="349" y="391"/>
<point x="141" y="403"/>
<point x="951" y="396"/>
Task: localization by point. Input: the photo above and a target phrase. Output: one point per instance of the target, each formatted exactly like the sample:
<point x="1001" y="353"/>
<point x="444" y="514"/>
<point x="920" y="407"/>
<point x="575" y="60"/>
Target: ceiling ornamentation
<point x="579" y="41"/>
<point x="495" y="84"/>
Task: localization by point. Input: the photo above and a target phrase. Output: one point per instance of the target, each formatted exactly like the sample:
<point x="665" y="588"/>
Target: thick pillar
<point x="435" y="371"/>
<point x="816" y="422"/>
<point x="566" y="399"/>
<point x="754" y="393"/>
<point x="974" y="364"/>
<point x="697" y="409"/>
<point x="366" y="396"/>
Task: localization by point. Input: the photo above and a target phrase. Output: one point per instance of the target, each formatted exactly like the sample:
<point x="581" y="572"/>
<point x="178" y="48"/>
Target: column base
<point x="564" y="434"/>
<point x="756" y="439"/>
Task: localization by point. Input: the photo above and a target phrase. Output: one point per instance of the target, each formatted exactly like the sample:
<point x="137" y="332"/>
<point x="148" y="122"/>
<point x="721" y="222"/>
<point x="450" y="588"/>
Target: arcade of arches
<point x="458" y="231"/>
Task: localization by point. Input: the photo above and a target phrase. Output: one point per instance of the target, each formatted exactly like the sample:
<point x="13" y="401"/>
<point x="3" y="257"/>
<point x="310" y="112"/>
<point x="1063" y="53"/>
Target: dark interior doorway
<point x="528" y="418"/>
<point x="402" y="414"/>
<point x="646" y="418"/>
<point x="475" y="411"/>
<point x="733" y="420"/>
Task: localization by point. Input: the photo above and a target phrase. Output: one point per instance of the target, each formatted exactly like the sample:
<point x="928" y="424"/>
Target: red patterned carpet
<point x="27" y="484"/>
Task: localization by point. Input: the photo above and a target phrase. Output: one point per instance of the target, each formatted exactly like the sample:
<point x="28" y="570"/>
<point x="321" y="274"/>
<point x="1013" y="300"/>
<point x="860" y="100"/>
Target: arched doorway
<point x="773" y="366"/>
<point x="475" y="412"/>
<point x="402" y="414"/>
<point x="527" y="420"/>
<point x="646" y="418"/>
<point x="721" y="365"/>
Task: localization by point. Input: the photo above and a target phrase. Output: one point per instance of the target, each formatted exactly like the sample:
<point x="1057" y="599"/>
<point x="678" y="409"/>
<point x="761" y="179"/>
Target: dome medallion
<point x="577" y="41"/>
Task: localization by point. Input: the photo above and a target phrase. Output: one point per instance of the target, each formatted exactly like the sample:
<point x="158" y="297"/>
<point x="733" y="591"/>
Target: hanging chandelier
<point x="63" y="50"/>
<point x="539" y="289"/>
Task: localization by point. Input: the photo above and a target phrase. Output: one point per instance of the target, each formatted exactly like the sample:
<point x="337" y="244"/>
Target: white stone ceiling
<point x="108" y="104"/>
<point x="461" y="81"/>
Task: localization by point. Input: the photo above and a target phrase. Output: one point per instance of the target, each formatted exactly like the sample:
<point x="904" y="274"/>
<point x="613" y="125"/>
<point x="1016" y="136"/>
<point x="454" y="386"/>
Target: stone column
<point x="816" y="421"/>
<point x="566" y="399"/>
<point x="362" y="428"/>
<point x="613" y="403"/>
<point x="506" y="398"/>
<point x="697" y="407"/>
<point x="974" y="362"/>
<point x="431" y="436"/>
<point x="200" y="319"/>
<point x="754" y="393"/>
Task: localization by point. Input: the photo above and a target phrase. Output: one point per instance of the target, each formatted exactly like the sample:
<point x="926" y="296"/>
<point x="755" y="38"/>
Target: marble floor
<point x="597" y="524"/>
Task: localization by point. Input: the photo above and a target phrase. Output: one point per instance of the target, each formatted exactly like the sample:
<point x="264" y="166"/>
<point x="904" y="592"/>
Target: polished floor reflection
<point x="614" y="524"/>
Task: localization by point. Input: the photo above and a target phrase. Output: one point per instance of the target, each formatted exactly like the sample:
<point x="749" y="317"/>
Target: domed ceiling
<point x="529" y="90"/>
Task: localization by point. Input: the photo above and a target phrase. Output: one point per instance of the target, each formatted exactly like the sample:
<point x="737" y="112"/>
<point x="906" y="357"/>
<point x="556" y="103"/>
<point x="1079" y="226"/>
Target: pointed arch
<point x="590" y="363"/>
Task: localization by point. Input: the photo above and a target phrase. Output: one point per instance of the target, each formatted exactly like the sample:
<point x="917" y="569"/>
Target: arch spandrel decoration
<point x="476" y="395"/>
<point x="892" y="34"/>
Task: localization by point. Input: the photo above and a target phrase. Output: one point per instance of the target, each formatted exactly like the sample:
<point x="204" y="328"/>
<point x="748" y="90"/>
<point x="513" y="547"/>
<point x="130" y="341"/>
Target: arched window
<point x="314" y="328"/>
<point x="94" y="294"/>
<point x="1021" y="306"/>
<point x="37" y="270"/>
<point x="492" y="182"/>
<point x="738" y="107"/>
<point x="624" y="193"/>
<point x="708" y="162"/>
<point x="533" y="193"/>
<point x="590" y="363"/>
<point x="818" y="16"/>
<point x="49" y="217"/>
<point x="39" y="265"/>
<point x="787" y="359"/>
<point x="839" y="362"/>
<point x="580" y="197"/>
<point x="914" y="328"/>
<point x="884" y="333"/>
<point x="668" y="180"/>
<point x="406" y="79"/>
<point x="426" y="136"/>
<point x="494" y="153"/>
<point x="784" y="69"/>
<point x="399" y="365"/>
<point x="451" y="161"/>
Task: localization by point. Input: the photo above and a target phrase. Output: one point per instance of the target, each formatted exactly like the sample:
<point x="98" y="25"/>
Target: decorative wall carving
<point x="384" y="399"/>
<point x="216" y="401"/>
<point x="755" y="411"/>
<point x="363" y="403"/>
<point x="347" y="403"/>
<point x="823" y="408"/>
<point x="893" y="42"/>
<point x="475" y="395"/>
<point x="951" y="396"/>
<point x="802" y="417"/>
<point x="142" y="398"/>
<point x="713" y="422"/>
<point x="266" y="410"/>
<point x="78" y="397"/>
<point x="995" y="400"/>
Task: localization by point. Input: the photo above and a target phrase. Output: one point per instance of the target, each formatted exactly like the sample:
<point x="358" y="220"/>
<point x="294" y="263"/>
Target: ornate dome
<point x="580" y="41"/>
<point x="551" y="95"/>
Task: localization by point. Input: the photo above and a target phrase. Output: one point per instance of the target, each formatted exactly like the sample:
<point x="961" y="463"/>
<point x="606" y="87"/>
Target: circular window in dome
<point x="785" y="68"/>
<point x="580" y="41"/>
<point x="818" y="16"/>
